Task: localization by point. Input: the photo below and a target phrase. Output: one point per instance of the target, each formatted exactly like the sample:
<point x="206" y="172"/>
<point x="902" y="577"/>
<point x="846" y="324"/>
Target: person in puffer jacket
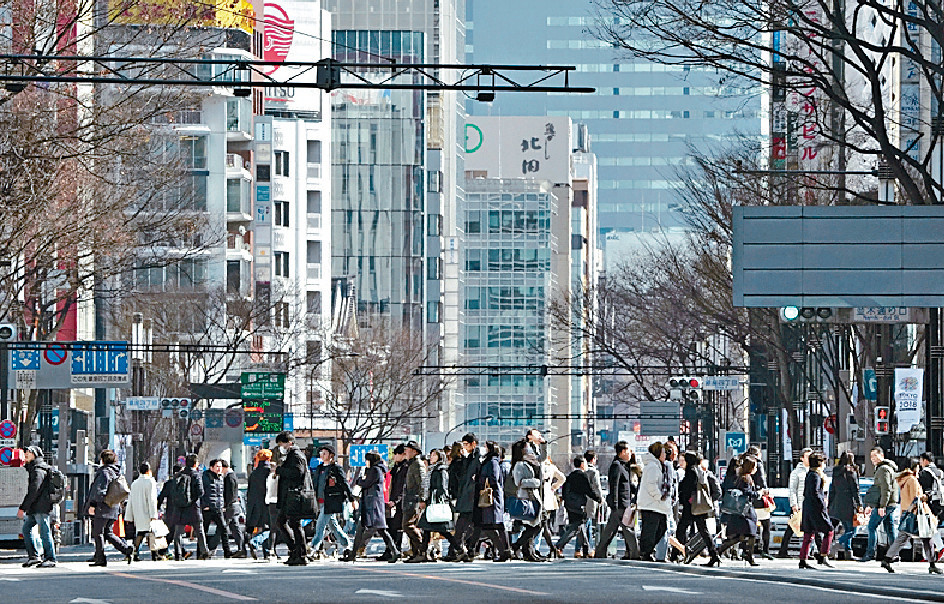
<point x="654" y="500"/>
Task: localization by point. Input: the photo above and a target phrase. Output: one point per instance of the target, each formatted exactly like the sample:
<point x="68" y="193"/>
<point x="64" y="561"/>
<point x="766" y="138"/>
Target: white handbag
<point x="927" y="525"/>
<point x="438" y="512"/>
<point x="158" y="528"/>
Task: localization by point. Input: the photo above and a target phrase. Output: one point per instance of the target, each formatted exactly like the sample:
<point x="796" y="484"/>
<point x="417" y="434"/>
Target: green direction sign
<point x="258" y="385"/>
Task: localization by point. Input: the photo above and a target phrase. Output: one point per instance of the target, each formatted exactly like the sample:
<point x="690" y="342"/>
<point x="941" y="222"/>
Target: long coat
<point x="257" y="514"/>
<point x="491" y="474"/>
<point x="815" y="517"/>
<point x="844" y="496"/>
<point x="193" y="513"/>
<point x="142" y="503"/>
<point x="292" y="473"/>
<point x="466" y="480"/>
<point x="96" y="497"/>
<point x="438" y="493"/>
<point x="744" y="526"/>
<point x="373" y="510"/>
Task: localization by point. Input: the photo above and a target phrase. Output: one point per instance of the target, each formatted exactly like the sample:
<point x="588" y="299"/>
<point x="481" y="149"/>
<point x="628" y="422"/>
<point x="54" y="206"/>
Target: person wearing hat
<point x="35" y="510"/>
<point x="415" y="490"/>
<point x="332" y="491"/>
<point x="394" y="503"/>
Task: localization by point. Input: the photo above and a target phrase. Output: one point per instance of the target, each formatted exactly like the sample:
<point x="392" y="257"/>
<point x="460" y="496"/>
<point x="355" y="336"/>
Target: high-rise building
<point x="528" y="236"/>
<point x="642" y="118"/>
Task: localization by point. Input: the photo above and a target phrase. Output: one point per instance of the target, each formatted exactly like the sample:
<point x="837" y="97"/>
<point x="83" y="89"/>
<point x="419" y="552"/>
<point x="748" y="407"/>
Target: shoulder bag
<point x="438" y="512"/>
<point x="117" y="491"/>
<point x="486" y="497"/>
<point x="701" y="501"/>
<point x="736" y="503"/>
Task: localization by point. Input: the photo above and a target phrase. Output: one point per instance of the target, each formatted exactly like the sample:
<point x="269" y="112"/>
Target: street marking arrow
<point x="675" y="590"/>
<point x="378" y="592"/>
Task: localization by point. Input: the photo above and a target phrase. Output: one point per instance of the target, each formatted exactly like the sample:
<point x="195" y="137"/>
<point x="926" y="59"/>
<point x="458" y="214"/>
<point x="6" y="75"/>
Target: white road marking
<point x="379" y="592"/>
<point x="675" y="590"/>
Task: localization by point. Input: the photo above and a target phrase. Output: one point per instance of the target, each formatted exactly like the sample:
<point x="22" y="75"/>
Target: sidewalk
<point x="911" y="580"/>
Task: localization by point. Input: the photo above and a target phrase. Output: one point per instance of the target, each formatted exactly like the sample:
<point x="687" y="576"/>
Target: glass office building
<point x="642" y="118"/>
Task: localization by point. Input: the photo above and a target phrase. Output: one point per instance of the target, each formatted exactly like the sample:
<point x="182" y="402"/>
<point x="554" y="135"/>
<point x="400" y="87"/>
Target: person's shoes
<point x="934" y="570"/>
<point x="384" y="556"/>
<point x="647" y="558"/>
<point x="297" y="562"/>
<point x="237" y="555"/>
<point x="823" y="561"/>
<point x="99" y="563"/>
<point x="347" y="557"/>
<point x="129" y="557"/>
<point x="52" y="564"/>
<point x="887" y="565"/>
<point x="805" y="565"/>
<point x="750" y="561"/>
<point x="187" y="555"/>
<point x="713" y="561"/>
<point x="418" y="558"/>
<point x="37" y="562"/>
<point x="252" y="552"/>
<point x="577" y="555"/>
<point x="203" y="557"/>
<point x="783" y="555"/>
<point x="136" y="558"/>
<point x="467" y="557"/>
<point x="766" y="556"/>
<point x="865" y="559"/>
<point x="394" y="558"/>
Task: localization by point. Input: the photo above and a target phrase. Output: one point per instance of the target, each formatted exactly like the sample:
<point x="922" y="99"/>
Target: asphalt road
<point x="563" y="581"/>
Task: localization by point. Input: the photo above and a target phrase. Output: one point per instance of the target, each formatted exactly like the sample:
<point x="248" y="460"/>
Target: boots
<point x="805" y="565"/>
<point x="934" y="570"/>
<point x="887" y="564"/>
<point x="749" y="552"/>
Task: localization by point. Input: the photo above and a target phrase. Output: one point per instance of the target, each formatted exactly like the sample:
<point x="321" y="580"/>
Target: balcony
<point x="238" y="119"/>
<point x="314" y="171"/>
<point x="313" y="272"/>
<point x="238" y="199"/>
<point x="314" y="222"/>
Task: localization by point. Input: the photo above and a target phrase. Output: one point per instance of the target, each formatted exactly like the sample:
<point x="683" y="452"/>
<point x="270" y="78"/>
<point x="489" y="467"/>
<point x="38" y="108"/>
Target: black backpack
<point x="180" y="492"/>
<point x="55" y="484"/>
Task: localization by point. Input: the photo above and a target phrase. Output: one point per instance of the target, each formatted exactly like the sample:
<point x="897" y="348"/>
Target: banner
<point x="909" y="391"/>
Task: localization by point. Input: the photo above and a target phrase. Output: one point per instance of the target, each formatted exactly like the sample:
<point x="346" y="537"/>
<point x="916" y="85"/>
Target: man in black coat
<point x="233" y="509"/>
<point x="293" y="474"/>
<point x="463" y="488"/>
<point x="35" y="510"/>
<point x="213" y="503"/>
<point x="619" y="500"/>
<point x="577" y="491"/>
<point x="186" y="495"/>
<point x="395" y="499"/>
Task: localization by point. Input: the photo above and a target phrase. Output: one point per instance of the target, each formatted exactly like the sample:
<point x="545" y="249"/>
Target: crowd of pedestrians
<point x="481" y="501"/>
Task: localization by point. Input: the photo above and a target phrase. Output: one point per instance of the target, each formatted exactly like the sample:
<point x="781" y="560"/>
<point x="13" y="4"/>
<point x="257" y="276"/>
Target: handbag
<point x="486" y="497"/>
<point x="156" y="544"/>
<point x="736" y="503"/>
<point x="438" y="512"/>
<point x="927" y="525"/>
<point x="117" y="491"/>
<point x="530" y="483"/>
<point x="701" y="500"/>
<point x="300" y="502"/>
<point x="629" y="517"/>
<point x="522" y="509"/>
<point x="860" y="519"/>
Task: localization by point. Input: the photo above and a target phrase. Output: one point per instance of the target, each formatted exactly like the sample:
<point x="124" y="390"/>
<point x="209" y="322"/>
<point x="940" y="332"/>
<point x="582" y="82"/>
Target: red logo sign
<point x="277" y="36"/>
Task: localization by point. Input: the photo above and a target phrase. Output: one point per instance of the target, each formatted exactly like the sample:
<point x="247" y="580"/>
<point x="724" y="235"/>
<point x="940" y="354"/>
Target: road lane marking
<point x="198" y="587"/>
<point x="380" y="592"/>
<point x="675" y="590"/>
<point x="516" y="590"/>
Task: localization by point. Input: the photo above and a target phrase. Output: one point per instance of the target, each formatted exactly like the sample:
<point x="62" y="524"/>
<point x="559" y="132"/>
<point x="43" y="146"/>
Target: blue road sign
<point x="356" y="453"/>
<point x="100" y="358"/>
<point x="256" y="440"/>
<point x="24" y="359"/>
<point x="736" y="441"/>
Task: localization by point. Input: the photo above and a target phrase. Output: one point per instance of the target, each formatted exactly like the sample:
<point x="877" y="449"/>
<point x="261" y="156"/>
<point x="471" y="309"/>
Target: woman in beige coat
<point x="142" y="506"/>
<point x="552" y="481"/>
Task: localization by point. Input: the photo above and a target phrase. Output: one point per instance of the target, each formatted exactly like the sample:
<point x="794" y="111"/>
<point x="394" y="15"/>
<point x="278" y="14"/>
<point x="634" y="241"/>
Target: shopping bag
<point x="794" y="523"/>
<point x="119" y="528"/>
<point x="927" y="525"/>
<point x="158" y="528"/>
<point x="438" y="512"/>
<point x="629" y="517"/>
<point x="156" y="544"/>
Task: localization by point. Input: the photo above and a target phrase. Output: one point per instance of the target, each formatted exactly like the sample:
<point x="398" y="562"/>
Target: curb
<point x="805" y="581"/>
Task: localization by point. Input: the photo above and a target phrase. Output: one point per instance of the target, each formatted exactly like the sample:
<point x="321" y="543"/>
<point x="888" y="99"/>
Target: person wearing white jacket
<point x="142" y="506"/>
<point x="797" y="480"/>
<point x="654" y="500"/>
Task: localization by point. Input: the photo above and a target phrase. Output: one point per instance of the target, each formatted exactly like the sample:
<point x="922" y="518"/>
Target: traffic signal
<point x="881" y="420"/>
<point x="684" y="388"/>
<point x="806" y="314"/>
<point x="177" y="407"/>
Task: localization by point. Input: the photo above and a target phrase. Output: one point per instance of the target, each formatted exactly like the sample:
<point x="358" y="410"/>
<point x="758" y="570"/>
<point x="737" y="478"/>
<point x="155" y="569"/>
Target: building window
<point x="193" y="153"/>
<point x="434" y="225"/>
<point x="281" y="264"/>
<point x="281" y="213"/>
<point x="281" y="314"/>
<point x="281" y="163"/>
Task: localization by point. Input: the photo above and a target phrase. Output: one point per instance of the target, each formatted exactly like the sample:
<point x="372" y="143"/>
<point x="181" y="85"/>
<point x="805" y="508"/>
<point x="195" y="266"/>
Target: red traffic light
<point x="881" y="413"/>
<point x="694" y="382"/>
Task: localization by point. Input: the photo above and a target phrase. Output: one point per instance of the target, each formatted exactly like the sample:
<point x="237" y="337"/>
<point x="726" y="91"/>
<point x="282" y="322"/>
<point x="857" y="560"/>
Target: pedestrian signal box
<point x="882" y="420"/>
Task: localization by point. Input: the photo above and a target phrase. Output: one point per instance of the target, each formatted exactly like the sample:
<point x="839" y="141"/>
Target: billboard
<point x="294" y="31"/>
<point x="838" y="256"/>
<point x="519" y="147"/>
<point x="229" y="14"/>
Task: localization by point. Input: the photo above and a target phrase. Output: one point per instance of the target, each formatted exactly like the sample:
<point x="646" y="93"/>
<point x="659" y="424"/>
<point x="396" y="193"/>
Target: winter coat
<point x="416" y="484"/>
<point x="650" y="488"/>
<point x="37" y="493"/>
<point x="230" y="490"/>
<point x="142" y="503"/>
<point x="213" y="491"/>
<point x="593" y="473"/>
<point x="815" y="518"/>
<point x="885" y="481"/>
<point x="466" y="494"/>
<point x="619" y="478"/>
<point x="438" y="493"/>
<point x="333" y="489"/>
<point x="524" y="470"/>
<point x="257" y="514"/>
<point x="292" y="473"/>
<point x="797" y="482"/>
<point x="743" y="526"/>
<point x="687" y="488"/>
<point x="96" y="497"/>
<point x="164" y="498"/>
<point x="398" y="481"/>
<point x="909" y="487"/>
<point x="552" y="479"/>
<point x="193" y="513"/>
<point x="373" y="510"/>
<point x="577" y="491"/>
<point x="844" y="496"/>
<point x="490" y="473"/>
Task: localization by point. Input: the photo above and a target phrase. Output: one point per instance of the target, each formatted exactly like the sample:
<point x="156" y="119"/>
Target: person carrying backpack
<point x="35" y="510"/>
<point x="104" y="499"/>
<point x="185" y="495"/>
